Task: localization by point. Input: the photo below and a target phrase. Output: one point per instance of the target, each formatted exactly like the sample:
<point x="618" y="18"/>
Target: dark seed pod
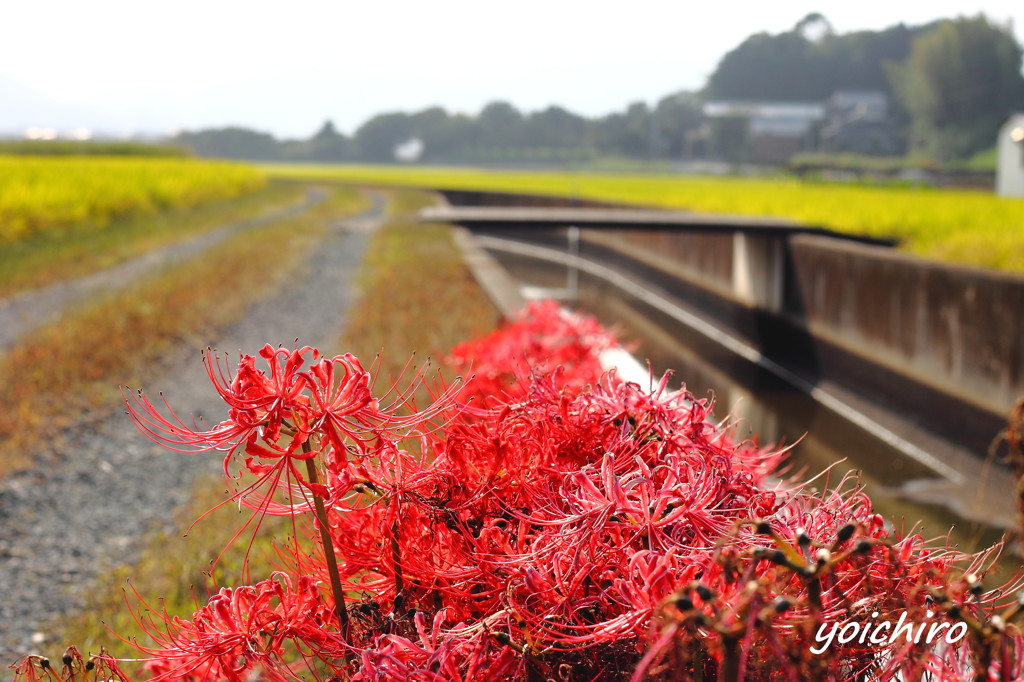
<point x="503" y="638"/>
<point x="763" y="528"/>
<point x="977" y="589"/>
<point x="954" y="612"/>
<point x="89" y="665"/>
<point x="777" y="556"/>
<point x="803" y="538"/>
<point x="684" y="604"/>
<point x="863" y="547"/>
<point x="45" y="663"/>
<point x="782" y="604"/>
<point x="67" y="659"/>
<point x="845" y="533"/>
<point x="705" y="592"/>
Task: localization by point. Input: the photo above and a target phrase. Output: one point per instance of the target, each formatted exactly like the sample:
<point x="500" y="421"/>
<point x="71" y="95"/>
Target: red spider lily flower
<point x="244" y="632"/>
<point x="258" y="404"/>
<point x="273" y="416"/>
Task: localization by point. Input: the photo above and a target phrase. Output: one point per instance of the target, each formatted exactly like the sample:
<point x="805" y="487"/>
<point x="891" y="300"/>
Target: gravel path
<point x="26" y="311"/>
<point x="61" y="529"/>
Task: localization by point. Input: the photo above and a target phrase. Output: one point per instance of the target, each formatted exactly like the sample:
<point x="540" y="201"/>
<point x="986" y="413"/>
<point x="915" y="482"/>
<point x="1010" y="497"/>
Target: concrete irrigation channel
<point x="875" y="360"/>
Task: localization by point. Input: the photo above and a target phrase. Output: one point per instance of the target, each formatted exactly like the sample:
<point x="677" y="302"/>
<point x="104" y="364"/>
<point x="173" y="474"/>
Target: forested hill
<point x="810" y="62"/>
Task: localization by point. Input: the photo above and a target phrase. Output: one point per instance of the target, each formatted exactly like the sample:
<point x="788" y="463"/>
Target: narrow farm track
<point x="61" y="529"/>
<point x="23" y="312"/>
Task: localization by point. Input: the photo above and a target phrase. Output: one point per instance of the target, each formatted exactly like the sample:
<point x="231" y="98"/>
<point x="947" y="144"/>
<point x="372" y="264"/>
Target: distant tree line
<point x="951" y="84"/>
<point x="500" y="133"/>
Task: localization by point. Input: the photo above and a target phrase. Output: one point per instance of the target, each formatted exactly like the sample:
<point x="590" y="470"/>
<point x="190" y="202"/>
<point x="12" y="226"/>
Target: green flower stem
<point x="325" y="538"/>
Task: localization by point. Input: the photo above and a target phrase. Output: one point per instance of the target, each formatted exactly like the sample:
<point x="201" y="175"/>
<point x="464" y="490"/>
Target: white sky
<point x="150" y="65"/>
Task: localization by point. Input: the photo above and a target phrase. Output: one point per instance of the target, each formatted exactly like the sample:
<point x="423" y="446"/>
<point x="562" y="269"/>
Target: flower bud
<point x="803" y="538"/>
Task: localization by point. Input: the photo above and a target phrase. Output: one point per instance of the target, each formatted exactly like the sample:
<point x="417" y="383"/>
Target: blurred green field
<point x="39" y="193"/>
<point x="960" y="226"/>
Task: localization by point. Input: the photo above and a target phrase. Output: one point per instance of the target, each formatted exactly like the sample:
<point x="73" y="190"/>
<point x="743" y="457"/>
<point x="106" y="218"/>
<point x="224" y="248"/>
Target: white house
<point x="1010" y="162"/>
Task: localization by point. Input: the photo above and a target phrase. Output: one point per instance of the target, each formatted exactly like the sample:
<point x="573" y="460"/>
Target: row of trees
<point x="951" y="84"/>
<point x="499" y="133"/>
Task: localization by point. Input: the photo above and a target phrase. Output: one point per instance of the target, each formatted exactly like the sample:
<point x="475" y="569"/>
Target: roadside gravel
<point x="62" y="526"/>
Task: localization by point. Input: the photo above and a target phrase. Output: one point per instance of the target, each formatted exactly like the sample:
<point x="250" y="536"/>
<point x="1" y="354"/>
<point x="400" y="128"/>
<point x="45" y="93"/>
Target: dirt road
<point x="59" y="529"/>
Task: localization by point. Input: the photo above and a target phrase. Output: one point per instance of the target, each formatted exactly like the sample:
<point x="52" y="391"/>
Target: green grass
<point x="89" y="148"/>
<point x="860" y="162"/>
<point x="395" y="312"/>
<point x="985" y="160"/>
<point x="968" y="227"/>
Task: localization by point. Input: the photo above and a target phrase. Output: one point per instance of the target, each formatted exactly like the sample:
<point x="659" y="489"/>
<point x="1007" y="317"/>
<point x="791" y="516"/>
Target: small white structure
<point x="1010" y="161"/>
<point x="409" y="151"/>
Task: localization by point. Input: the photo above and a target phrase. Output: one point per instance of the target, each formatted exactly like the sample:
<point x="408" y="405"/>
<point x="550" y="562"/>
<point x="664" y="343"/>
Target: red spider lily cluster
<point x="544" y="339"/>
<point x="569" y="526"/>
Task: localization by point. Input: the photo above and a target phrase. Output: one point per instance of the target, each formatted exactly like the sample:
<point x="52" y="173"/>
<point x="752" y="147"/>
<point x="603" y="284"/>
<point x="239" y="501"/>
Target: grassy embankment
<point x="72" y="367"/>
<point x="62" y="253"/>
<point x="967" y="227"/>
<point x="415" y="295"/>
